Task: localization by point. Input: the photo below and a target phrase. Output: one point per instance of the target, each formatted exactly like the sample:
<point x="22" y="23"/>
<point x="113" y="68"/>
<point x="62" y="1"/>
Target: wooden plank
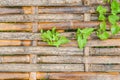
<point x="15" y="27"/>
<point x="15" y="10"/>
<point x="12" y="50"/>
<point x="22" y="76"/>
<point x="41" y="67"/>
<point x="41" y="18"/>
<point x="65" y="75"/>
<point x="105" y="51"/>
<point x="70" y="76"/>
<point x="78" y="76"/>
<point x="81" y="9"/>
<point x="60" y="59"/>
<point x="41" y="50"/>
<point x="104" y="68"/>
<point x="14" y="59"/>
<point x="109" y="42"/>
<point x="40" y="3"/>
<point x="11" y="11"/>
<point x="68" y="25"/>
<point x="36" y="36"/>
<point x="49" y="10"/>
<point x="66" y="9"/>
<point x="80" y="59"/>
<point x="54" y="51"/>
<point x="49" y="25"/>
<point x="19" y="36"/>
<point x="96" y="2"/>
<point x="103" y="60"/>
<point x="14" y="43"/>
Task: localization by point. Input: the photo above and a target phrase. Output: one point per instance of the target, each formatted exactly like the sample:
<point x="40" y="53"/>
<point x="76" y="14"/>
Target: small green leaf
<point x="103" y="26"/>
<point x="101" y="9"/>
<point x="115" y="7"/>
<point x="113" y="19"/>
<point x="104" y="35"/>
<point x="101" y="17"/>
<point x="87" y="32"/>
<point x="115" y="29"/>
<point x="81" y="42"/>
<point x="82" y="36"/>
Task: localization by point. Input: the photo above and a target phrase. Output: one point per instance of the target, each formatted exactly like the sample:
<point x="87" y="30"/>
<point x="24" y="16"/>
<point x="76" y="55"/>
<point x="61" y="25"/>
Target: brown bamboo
<point x="79" y="59"/>
<point x="104" y="68"/>
<point x="61" y="10"/>
<point x="27" y="10"/>
<point x="55" y="51"/>
<point x="105" y="51"/>
<point x="42" y="10"/>
<point x="67" y="25"/>
<point x="41" y="3"/>
<point x="14" y="43"/>
<point x="49" y="25"/>
<point x="65" y="76"/>
<point x="41" y="18"/>
<point x="33" y="57"/>
<point x="91" y="2"/>
<point x="109" y="42"/>
<point x="11" y="11"/>
<point x="19" y="36"/>
<point x="96" y="2"/>
<point x="62" y="59"/>
<point x="15" y="27"/>
<point x="14" y="59"/>
<point x="41" y="67"/>
<point x="41" y="50"/>
<point x="22" y="76"/>
<point x="78" y="75"/>
<point x="36" y="36"/>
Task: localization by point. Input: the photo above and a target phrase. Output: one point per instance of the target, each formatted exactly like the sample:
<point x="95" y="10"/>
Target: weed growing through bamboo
<point x="112" y="18"/>
<point x="53" y="38"/>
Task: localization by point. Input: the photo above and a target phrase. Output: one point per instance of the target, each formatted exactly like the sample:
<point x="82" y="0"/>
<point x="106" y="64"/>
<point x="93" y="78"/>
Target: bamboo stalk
<point x="40" y="3"/>
<point x="14" y="59"/>
<point x="14" y="43"/>
<point x="104" y="68"/>
<point x="79" y="59"/>
<point x="15" y="27"/>
<point x="14" y="75"/>
<point x="105" y="51"/>
<point x="78" y="75"/>
<point x="41" y="18"/>
<point x="41" y="67"/>
<point x="36" y="36"/>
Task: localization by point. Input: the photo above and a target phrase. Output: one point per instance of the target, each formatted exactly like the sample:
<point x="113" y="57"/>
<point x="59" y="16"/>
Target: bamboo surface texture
<point x="24" y="56"/>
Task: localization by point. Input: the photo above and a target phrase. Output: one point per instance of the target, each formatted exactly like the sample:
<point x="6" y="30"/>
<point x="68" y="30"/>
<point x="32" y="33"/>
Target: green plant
<point x="113" y="18"/>
<point x="101" y="10"/>
<point x="82" y="36"/>
<point x="101" y="32"/>
<point x="53" y="38"/>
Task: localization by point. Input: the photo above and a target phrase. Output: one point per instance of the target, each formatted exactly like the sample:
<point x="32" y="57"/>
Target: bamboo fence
<point x="24" y="56"/>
